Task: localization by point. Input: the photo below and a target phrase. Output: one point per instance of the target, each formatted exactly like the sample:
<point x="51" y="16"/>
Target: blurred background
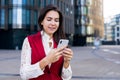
<point x="84" y="20"/>
<point x="92" y="26"/>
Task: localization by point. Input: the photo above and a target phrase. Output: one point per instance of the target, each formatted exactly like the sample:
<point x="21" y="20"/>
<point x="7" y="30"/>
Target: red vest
<point x="38" y="53"/>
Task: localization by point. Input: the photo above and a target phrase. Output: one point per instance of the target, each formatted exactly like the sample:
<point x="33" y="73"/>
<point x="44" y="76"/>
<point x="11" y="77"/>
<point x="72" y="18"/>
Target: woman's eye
<point x="56" y="20"/>
<point x="49" y="19"/>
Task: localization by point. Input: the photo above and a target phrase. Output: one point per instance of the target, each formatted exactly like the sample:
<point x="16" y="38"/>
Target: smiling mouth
<point x="51" y="28"/>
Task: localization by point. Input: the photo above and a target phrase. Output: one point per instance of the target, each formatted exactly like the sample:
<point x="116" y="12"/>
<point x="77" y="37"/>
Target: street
<point x="88" y="63"/>
<point x="100" y="64"/>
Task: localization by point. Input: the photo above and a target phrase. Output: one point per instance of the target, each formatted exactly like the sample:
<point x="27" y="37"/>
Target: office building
<point x="18" y="18"/>
<point x="89" y="21"/>
<point x="112" y="31"/>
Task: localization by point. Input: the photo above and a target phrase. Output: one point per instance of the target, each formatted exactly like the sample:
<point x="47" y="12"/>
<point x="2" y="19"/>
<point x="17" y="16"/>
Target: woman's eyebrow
<point x="48" y="17"/>
<point x="52" y="17"/>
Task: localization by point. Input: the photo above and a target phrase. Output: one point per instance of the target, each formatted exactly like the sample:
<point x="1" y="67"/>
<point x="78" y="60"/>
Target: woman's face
<point x="51" y="22"/>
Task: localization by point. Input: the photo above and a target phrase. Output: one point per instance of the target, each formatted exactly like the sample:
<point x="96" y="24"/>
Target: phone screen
<point x="63" y="42"/>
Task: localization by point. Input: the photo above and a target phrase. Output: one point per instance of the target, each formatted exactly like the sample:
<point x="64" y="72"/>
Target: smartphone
<point x="63" y="42"/>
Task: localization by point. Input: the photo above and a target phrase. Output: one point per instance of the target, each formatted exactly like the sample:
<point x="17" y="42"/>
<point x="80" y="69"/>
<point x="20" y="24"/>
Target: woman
<point x="40" y="57"/>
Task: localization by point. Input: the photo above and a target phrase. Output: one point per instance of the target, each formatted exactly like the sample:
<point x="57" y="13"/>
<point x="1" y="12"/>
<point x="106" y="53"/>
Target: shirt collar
<point x="46" y="36"/>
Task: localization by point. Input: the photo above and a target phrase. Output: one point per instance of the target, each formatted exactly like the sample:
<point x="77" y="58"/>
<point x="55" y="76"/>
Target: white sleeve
<point x="67" y="73"/>
<point x="27" y="70"/>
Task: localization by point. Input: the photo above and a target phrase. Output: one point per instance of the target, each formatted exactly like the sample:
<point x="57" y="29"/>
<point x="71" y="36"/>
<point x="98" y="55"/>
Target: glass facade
<point x="20" y="15"/>
<point x="2" y="18"/>
<point x="88" y="21"/>
<point x="2" y="2"/>
<point x="10" y="16"/>
<point x="19" y="18"/>
<point x="26" y="19"/>
<point x="17" y="2"/>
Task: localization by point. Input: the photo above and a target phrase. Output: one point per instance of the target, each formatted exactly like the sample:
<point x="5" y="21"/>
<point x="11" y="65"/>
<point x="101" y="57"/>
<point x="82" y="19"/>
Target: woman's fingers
<point x="55" y="55"/>
<point x="68" y="54"/>
<point x="61" y="48"/>
<point x="68" y="51"/>
<point x="62" y="51"/>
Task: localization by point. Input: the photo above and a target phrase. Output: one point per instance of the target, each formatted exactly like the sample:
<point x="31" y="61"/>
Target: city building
<point x="108" y="32"/>
<point x="117" y="29"/>
<point x="112" y="32"/>
<point x="89" y="21"/>
<point x="18" y="18"/>
<point x="117" y="34"/>
<point x="108" y="29"/>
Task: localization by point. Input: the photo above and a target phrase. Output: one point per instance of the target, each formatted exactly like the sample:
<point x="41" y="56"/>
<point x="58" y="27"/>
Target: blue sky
<point x="111" y="7"/>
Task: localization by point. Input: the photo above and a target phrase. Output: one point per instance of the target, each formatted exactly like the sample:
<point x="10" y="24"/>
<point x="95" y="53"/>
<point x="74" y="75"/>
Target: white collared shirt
<point x="28" y="70"/>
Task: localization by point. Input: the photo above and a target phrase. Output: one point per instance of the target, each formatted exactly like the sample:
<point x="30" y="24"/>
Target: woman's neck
<point x="50" y="35"/>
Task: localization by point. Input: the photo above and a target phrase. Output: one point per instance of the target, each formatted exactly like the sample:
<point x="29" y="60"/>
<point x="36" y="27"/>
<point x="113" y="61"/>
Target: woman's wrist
<point x="66" y="64"/>
<point x="44" y="62"/>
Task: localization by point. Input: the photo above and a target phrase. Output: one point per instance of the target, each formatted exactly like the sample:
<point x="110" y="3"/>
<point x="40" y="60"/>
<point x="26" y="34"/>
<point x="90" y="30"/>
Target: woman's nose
<point x="53" y="22"/>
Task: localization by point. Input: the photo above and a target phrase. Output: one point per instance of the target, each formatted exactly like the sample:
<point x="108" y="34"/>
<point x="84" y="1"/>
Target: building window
<point x="14" y="17"/>
<point x="88" y="9"/>
<point x="78" y="2"/>
<point x="78" y="21"/>
<point x="10" y="17"/>
<point x="55" y="2"/>
<point x="10" y="2"/>
<point x="15" y="2"/>
<point x="89" y="2"/>
<point x="49" y="1"/>
<point x="119" y="21"/>
<point x="2" y="17"/>
<point x="17" y="17"/>
<point x="43" y="3"/>
<point x="71" y="12"/>
<point x="35" y="17"/>
<point x="60" y="5"/>
<point x="89" y="30"/>
<point x="23" y="18"/>
<point x="83" y="30"/>
<point x="31" y="2"/>
<point x="72" y="2"/>
<point x="39" y="3"/>
<point x="84" y="10"/>
<point x="118" y="29"/>
<point x="118" y="35"/>
<point x="18" y="2"/>
<point x="84" y="19"/>
<point x="64" y="8"/>
<point x="89" y="39"/>
<point x="2" y="2"/>
<point x="26" y="18"/>
<point x="24" y="2"/>
<point x="82" y="2"/>
<point x="79" y="11"/>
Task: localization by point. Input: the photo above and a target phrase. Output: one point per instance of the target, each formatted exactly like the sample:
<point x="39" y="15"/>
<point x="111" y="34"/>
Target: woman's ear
<point x="41" y="23"/>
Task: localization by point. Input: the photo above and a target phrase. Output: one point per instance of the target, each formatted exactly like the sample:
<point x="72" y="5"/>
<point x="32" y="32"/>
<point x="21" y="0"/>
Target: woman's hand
<point x="55" y="54"/>
<point x="52" y="57"/>
<point x="67" y="54"/>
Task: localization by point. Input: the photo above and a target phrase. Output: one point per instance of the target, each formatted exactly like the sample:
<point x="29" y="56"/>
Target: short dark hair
<point x="59" y="34"/>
